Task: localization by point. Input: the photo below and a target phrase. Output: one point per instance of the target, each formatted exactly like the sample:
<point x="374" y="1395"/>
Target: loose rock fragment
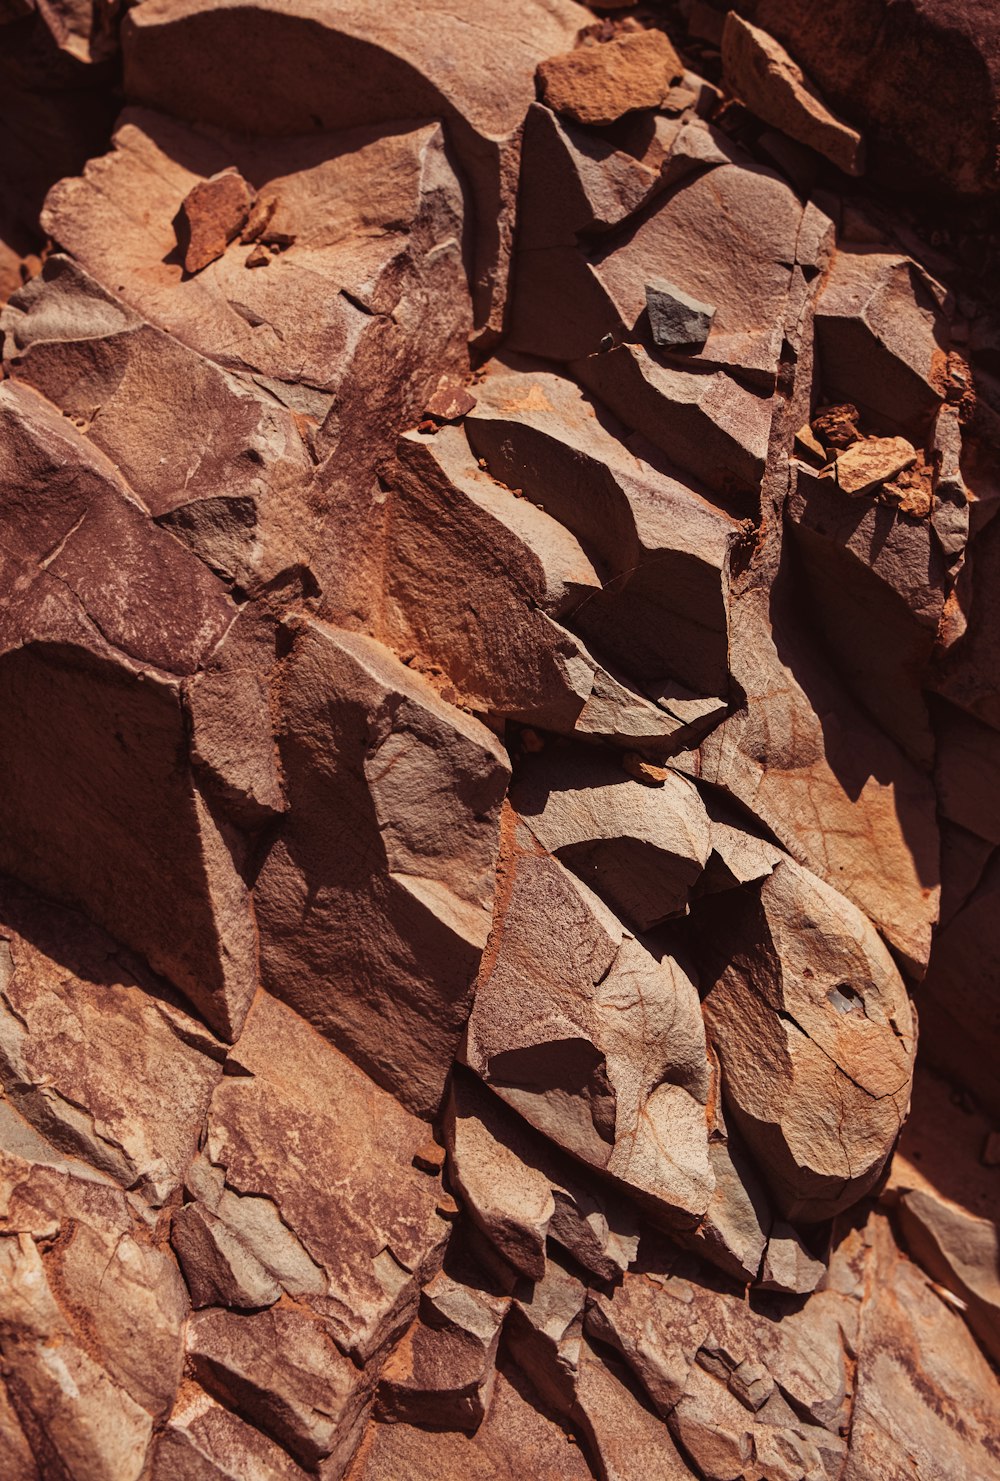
<point x="211" y="214"/>
<point x="870" y="462"/>
<point x="677" y="320"/>
<point x="600" y="81"/>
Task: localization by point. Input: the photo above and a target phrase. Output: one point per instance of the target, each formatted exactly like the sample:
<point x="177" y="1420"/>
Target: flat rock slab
<point x="599" y="82"/>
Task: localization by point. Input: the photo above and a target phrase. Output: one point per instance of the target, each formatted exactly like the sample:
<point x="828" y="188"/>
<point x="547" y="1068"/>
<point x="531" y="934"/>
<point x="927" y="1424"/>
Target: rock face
<point x="498" y="742"/>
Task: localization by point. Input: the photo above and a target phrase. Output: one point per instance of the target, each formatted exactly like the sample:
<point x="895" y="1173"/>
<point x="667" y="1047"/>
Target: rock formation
<point x="499" y="741"/>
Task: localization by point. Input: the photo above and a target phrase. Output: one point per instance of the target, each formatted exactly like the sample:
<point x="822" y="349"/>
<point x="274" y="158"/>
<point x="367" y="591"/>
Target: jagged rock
<point x="640" y="848"/>
<point x="727" y="237"/>
<point x="104" y="812"/>
<point x="402" y="912"/>
<point x="211" y="214"/>
<point x="101" y="1061"/>
<point x="282" y="1371"/>
<point x="760" y="72"/>
<point x="960" y="1251"/>
<point x="218" y="463"/>
<point x="924" y="81"/>
<point x="73" y="1413"/>
<point x="662" y="549"/>
<point x="677" y="320"/>
<point x="873" y="570"/>
<point x="515" y="1438"/>
<point x="708" y="425"/>
<point x="958" y="1002"/>
<point x="564" y="1034"/>
<point x="519" y="1192"/>
<point x="218" y="1267"/>
<point x="881" y="336"/>
<point x="443" y="1371"/>
<point x="946" y="1420"/>
<point x="870" y="462"/>
<point x="805" y="987"/>
<point x="599" y="82"/>
<point x="207" y="1441"/>
<point x="524" y="575"/>
<point x="376" y="1236"/>
<point x="357" y="67"/>
<point x="799" y="739"/>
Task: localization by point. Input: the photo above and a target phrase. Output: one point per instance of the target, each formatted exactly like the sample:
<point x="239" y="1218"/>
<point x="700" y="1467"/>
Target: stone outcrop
<point x="499" y="741"/>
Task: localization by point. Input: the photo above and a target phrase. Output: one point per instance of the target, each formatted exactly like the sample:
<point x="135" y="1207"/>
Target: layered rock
<point x="499" y="719"/>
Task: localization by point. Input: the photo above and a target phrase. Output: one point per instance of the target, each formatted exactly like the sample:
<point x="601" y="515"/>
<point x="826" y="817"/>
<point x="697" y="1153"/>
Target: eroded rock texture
<point x="499" y="741"/>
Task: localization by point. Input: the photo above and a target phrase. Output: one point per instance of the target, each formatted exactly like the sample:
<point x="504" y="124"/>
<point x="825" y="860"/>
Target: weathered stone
<point x="75" y="1415"/>
<point x="640" y="848"/>
<point x="524" y="575"/>
<point x="880" y="337"/>
<point x="515" y="1439"/>
<point x="663" y="550"/>
<point x="677" y="320"/>
<point x="961" y="1252"/>
<point x="103" y="1062"/>
<point x="444" y="1369"/>
<point x="218" y="1267"/>
<point x="211" y="215"/>
<point x="946" y="1420"/>
<point x="805" y="987"/>
<point x="707" y="425"/>
<point x="519" y="1191"/>
<point x="282" y="1371"/>
<point x="562" y="1030"/>
<point x="727" y="237"/>
<point x="204" y="1441"/>
<point x="760" y="72"/>
<point x="357" y="67"/>
<point x="219" y="462"/>
<point x="870" y="462"/>
<point x="375" y="1234"/>
<point x="832" y="788"/>
<point x="600" y="81"/>
<point x="366" y="882"/>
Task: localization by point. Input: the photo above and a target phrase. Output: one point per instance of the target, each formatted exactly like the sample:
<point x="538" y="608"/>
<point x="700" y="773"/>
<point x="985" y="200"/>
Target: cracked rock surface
<point x="499" y="741"/>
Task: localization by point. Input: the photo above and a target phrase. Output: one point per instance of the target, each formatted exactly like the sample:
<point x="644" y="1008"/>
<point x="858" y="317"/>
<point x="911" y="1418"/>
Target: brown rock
<point x="808" y="990"/>
<point x="760" y="72"/>
<point x="874" y="836"/>
<point x="404" y="905"/>
<point x="562" y="1029"/>
<point x="515" y="1439"/>
<point x="640" y="848"/>
<point x="211" y="214"/>
<point x="358" y="67"/>
<point x="707" y="425"/>
<point x="870" y="462"/>
<point x="880" y="331"/>
<point x="99" y="1057"/>
<point x="283" y="1372"/>
<point x="727" y="237"/>
<point x="218" y="1267"/>
<point x="206" y="1441"/>
<point x="665" y="548"/>
<point x="924" y="82"/>
<point x="950" y="1417"/>
<point x="443" y="1371"/>
<point x="375" y="1235"/>
<point x="524" y="574"/>
<point x="450" y="402"/>
<point x="600" y="81"/>
<point x="520" y="1192"/>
